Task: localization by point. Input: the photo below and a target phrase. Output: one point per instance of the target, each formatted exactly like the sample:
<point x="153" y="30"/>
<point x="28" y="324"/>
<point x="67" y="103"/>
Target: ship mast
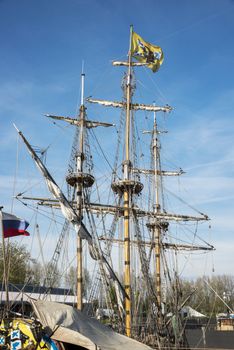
<point x="80" y="180"/>
<point x="79" y="190"/>
<point x="156" y="225"/>
<point x="126" y="196"/>
<point x="157" y="209"/>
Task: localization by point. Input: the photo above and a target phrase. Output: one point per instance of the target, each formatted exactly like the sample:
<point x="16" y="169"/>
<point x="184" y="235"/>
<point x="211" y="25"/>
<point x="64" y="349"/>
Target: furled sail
<point x="88" y="123"/>
<point x="126" y="64"/>
<point x="71" y="215"/>
<point x="133" y="106"/>
<point x="112" y="209"/>
<point x="165" y="245"/>
<point x="158" y="172"/>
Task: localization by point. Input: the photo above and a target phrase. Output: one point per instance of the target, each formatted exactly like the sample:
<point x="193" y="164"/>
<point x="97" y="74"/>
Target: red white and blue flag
<point x="13" y="226"/>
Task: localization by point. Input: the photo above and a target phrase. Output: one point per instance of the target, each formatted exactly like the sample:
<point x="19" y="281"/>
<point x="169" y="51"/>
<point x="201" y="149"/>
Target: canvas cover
<point x="67" y="324"/>
<point x="191" y="312"/>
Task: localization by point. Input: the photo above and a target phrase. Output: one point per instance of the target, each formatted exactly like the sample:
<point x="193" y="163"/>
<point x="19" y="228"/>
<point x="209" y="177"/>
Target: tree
<point x="23" y="268"/>
<point x="35" y="273"/>
<point x="52" y="276"/>
<point x="207" y="296"/>
<point x="71" y="280"/>
<point x="17" y="261"/>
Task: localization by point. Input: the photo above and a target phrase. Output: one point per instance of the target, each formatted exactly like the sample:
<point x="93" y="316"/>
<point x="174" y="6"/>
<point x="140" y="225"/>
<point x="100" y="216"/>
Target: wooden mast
<point x="156" y="227"/>
<point x="126" y="196"/>
<point x="79" y="190"/>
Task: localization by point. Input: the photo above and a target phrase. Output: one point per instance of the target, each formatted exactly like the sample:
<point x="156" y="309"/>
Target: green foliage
<point x="17" y="261"/>
<point x="23" y="268"/>
<point x="204" y="299"/>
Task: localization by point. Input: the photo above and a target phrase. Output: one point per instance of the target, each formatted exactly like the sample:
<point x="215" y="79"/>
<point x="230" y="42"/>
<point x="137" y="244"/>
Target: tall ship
<point x="123" y="220"/>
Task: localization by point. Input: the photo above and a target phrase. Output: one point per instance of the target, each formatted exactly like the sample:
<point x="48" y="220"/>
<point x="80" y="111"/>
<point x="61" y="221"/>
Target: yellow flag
<point x="146" y="53"/>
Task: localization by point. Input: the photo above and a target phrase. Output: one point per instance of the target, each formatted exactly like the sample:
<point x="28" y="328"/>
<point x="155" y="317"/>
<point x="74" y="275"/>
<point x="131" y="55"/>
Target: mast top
<point x="82" y="88"/>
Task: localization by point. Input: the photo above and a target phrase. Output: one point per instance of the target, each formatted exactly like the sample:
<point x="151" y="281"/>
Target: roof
<point x="36" y="289"/>
<point x="24" y="293"/>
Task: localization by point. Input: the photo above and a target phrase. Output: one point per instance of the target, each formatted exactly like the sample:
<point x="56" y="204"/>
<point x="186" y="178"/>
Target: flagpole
<point x="5" y="272"/>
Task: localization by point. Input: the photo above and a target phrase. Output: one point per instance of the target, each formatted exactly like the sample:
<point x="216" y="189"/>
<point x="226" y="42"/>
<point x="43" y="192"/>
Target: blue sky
<point x="43" y="45"/>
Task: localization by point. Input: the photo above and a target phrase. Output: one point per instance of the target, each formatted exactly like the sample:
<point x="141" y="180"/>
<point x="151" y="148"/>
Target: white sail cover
<point x="67" y="324"/>
<point x="190" y="312"/>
